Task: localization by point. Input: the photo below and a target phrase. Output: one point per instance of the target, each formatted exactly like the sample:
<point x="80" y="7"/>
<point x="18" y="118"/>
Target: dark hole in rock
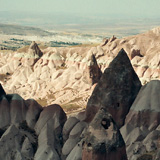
<point x="7" y="74"/>
<point x="105" y="123"/>
<point x="89" y="145"/>
<point x="102" y="109"/>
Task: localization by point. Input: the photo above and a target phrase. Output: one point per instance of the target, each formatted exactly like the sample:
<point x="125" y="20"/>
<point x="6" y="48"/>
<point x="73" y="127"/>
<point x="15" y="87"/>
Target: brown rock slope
<point x="116" y="90"/>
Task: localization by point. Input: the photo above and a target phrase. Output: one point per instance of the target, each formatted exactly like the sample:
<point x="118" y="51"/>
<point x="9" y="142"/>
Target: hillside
<point x="9" y="29"/>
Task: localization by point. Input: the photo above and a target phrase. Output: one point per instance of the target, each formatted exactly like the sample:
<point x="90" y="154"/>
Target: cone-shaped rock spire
<point x="116" y="90"/>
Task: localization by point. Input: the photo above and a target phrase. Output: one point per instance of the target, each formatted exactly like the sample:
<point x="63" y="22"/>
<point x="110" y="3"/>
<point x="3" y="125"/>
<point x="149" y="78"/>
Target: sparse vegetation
<point x="88" y="45"/>
<point x="70" y="107"/>
<point x="62" y="44"/>
<point x="42" y="102"/>
<point x="76" y="100"/>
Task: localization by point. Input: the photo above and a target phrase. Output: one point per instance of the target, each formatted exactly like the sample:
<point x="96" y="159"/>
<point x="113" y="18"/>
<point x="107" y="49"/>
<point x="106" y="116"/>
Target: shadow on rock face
<point x="103" y="139"/>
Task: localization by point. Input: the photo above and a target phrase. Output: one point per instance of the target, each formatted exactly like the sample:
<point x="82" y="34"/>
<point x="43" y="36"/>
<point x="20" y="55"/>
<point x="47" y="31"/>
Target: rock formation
<point x="116" y="90"/>
<point x="141" y="130"/>
<point x="34" y="50"/>
<point x="67" y="76"/>
<point x="65" y="68"/>
<point x="28" y="131"/>
<point x="92" y="72"/>
<point x="102" y="140"/>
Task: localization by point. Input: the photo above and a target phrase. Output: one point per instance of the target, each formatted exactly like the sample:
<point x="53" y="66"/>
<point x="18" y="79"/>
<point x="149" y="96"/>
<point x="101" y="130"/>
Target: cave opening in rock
<point x="89" y="145"/>
<point x="105" y="123"/>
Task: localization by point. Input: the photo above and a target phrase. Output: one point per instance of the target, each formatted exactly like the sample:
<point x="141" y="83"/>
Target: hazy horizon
<point x="84" y="15"/>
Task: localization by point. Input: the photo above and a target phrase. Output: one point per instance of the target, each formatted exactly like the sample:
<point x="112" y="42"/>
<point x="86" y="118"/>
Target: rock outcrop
<point x="34" y="50"/>
<point x="29" y="131"/>
<point x="92" y="73"/>
<point x="141" y="130"/>
<point x="49" y="130"/>
<point x="116" y="90"/>
<point x="103" y="140"/>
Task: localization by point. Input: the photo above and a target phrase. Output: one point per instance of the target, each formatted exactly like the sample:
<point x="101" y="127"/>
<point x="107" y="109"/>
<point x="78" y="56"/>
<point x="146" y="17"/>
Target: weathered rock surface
<point x="92" y="72"/>
<point x="34" y="49"/>
<point x="74" y="142"/>
<point x="57" y="76"/>
<point x="141" y="124"/>
<point x="116" y="90"/>
<point x="102" y="140"/>
<point x="29" y="131"/>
